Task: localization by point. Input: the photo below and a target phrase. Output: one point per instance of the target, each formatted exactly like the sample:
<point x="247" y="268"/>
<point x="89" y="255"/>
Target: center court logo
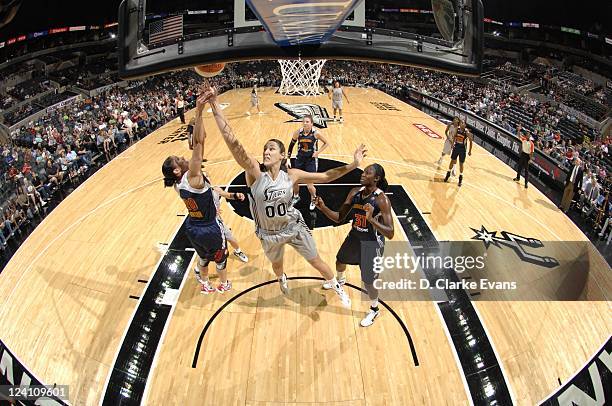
<point x="516" y="243"/>
<point x="298" y="111"/>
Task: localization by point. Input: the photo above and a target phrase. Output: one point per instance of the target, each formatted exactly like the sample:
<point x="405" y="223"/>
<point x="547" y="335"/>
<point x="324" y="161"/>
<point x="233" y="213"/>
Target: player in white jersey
<point x="450" y="132"/>
<point x="336" y="97"/>
<point x="254" y="101"/>
<point x="278" y="223"/>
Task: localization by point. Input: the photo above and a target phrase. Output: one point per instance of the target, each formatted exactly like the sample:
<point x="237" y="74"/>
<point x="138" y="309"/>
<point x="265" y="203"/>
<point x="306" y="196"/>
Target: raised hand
<point x="319" y="203"/>
<point x="210" y="93"/>
<point x="360" y="154"/>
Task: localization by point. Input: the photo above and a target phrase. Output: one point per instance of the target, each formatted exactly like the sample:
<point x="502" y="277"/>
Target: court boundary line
<point x="454" y="351"/>
<point x="129" y="323"/>
<point x="147" y="388"/>
<point x="435" y="304"/>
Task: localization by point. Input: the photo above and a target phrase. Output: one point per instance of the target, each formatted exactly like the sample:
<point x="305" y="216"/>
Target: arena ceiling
<point x="593" y="15"/>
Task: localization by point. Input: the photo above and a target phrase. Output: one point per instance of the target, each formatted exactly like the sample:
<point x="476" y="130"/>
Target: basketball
<point x="209" y="71"/>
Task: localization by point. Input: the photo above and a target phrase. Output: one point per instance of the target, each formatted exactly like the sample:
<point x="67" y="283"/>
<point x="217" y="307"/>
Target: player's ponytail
<point x="168" y="172"/>
<point x="382" y="183"/>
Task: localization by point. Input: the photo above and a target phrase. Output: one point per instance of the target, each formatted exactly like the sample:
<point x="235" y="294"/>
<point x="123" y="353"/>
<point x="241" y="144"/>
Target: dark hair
<point x="281" y="147"/>
<point x="168" y="170"/>
<point x="308" y="116"/>
<point x="382" y="181"/>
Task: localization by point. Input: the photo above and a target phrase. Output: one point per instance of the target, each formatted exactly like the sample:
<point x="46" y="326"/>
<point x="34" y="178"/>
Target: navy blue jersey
<point x="202" y="204"/>
<point x="307" y="144"/>
<point x="461" y="136"/>
<point x="360" y="226"/>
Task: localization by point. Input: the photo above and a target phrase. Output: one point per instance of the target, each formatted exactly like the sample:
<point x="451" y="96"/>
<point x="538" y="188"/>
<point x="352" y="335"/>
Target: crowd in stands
<point x="28" y="89"/>
<point x="60" y="148"/>
<point x="555" y="132"/>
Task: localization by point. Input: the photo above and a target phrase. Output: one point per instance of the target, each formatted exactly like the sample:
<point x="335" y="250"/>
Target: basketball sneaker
<point x="328" y="285"/>
<point x="284" y="286"/>
<point x="248" y="113"/>
<point x="312" y="205"/>
<point x="199" y="277"/>
<point x="460" y="180"/>
<point x="447" y="176"/>
<point x="344" y="297"/>
<point x="295" y="199"/>
<point x="207" y="288"/>
<point x="368" y="320"/>
<point x="224" y="287"/>
<point x="241" y="256"/>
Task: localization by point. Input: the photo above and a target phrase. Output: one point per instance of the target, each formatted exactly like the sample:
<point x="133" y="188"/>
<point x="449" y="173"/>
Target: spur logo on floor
<point x="319" y="114"/>
<point x="180" y="134"/>
<point x="516" y="243"/>
<point x="384" y="106"/>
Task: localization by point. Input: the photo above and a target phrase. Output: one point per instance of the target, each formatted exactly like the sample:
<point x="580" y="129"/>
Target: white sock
<point x="237" y="250"/>
<point x="374" y="303"/>
<point x="340" y="274"/>
<point x="334" y="283"/>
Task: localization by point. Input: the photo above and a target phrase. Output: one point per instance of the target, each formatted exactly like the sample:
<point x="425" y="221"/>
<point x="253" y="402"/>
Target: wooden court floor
<point x="65" y="293"/>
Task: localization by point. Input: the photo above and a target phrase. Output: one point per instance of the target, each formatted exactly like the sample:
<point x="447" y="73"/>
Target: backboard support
<point x="361" y="37"/>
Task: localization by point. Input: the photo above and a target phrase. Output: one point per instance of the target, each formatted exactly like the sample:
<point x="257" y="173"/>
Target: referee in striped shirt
<point x="527" y="149"/>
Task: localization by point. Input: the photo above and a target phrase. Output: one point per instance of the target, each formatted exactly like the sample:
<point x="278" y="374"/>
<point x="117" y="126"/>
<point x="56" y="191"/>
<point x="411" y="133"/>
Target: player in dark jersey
<point x="204" y="228"/>
<point x="370" y="213"/>
<point x="462" y="136"/>
<point x="307" y="158"/>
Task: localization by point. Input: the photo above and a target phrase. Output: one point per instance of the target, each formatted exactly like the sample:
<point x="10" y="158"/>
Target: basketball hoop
<point x="300" y="77"/>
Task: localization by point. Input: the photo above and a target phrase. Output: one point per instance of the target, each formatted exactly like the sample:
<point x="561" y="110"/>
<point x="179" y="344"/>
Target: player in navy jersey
<point x="204" y="227"/>
<point x="370" y="213"/>
<point x="461" y="138"/>
<point x="307" y="158"/>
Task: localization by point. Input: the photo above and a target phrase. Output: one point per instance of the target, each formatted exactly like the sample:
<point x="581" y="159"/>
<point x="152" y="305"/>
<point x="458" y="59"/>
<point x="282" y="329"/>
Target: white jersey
<point x="270" y="202"/>
<point x="337" y="94"/>
<point x="452" y="130"/>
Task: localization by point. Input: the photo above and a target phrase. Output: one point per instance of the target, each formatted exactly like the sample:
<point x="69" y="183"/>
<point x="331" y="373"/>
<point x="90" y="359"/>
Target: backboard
<point x="157" y="35"/>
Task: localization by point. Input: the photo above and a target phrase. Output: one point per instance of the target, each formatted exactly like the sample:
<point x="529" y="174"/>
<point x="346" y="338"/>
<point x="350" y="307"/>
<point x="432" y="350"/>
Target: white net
<point x="300" y="77"/>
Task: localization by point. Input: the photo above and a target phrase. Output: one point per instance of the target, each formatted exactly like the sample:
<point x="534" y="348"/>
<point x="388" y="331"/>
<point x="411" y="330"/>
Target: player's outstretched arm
<point x="228" y="195"/>
<point x="242" y="157"/>
<point x="299" y="176"/>
<point x="195" y="177"/>
<point x="340" y="215"/>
